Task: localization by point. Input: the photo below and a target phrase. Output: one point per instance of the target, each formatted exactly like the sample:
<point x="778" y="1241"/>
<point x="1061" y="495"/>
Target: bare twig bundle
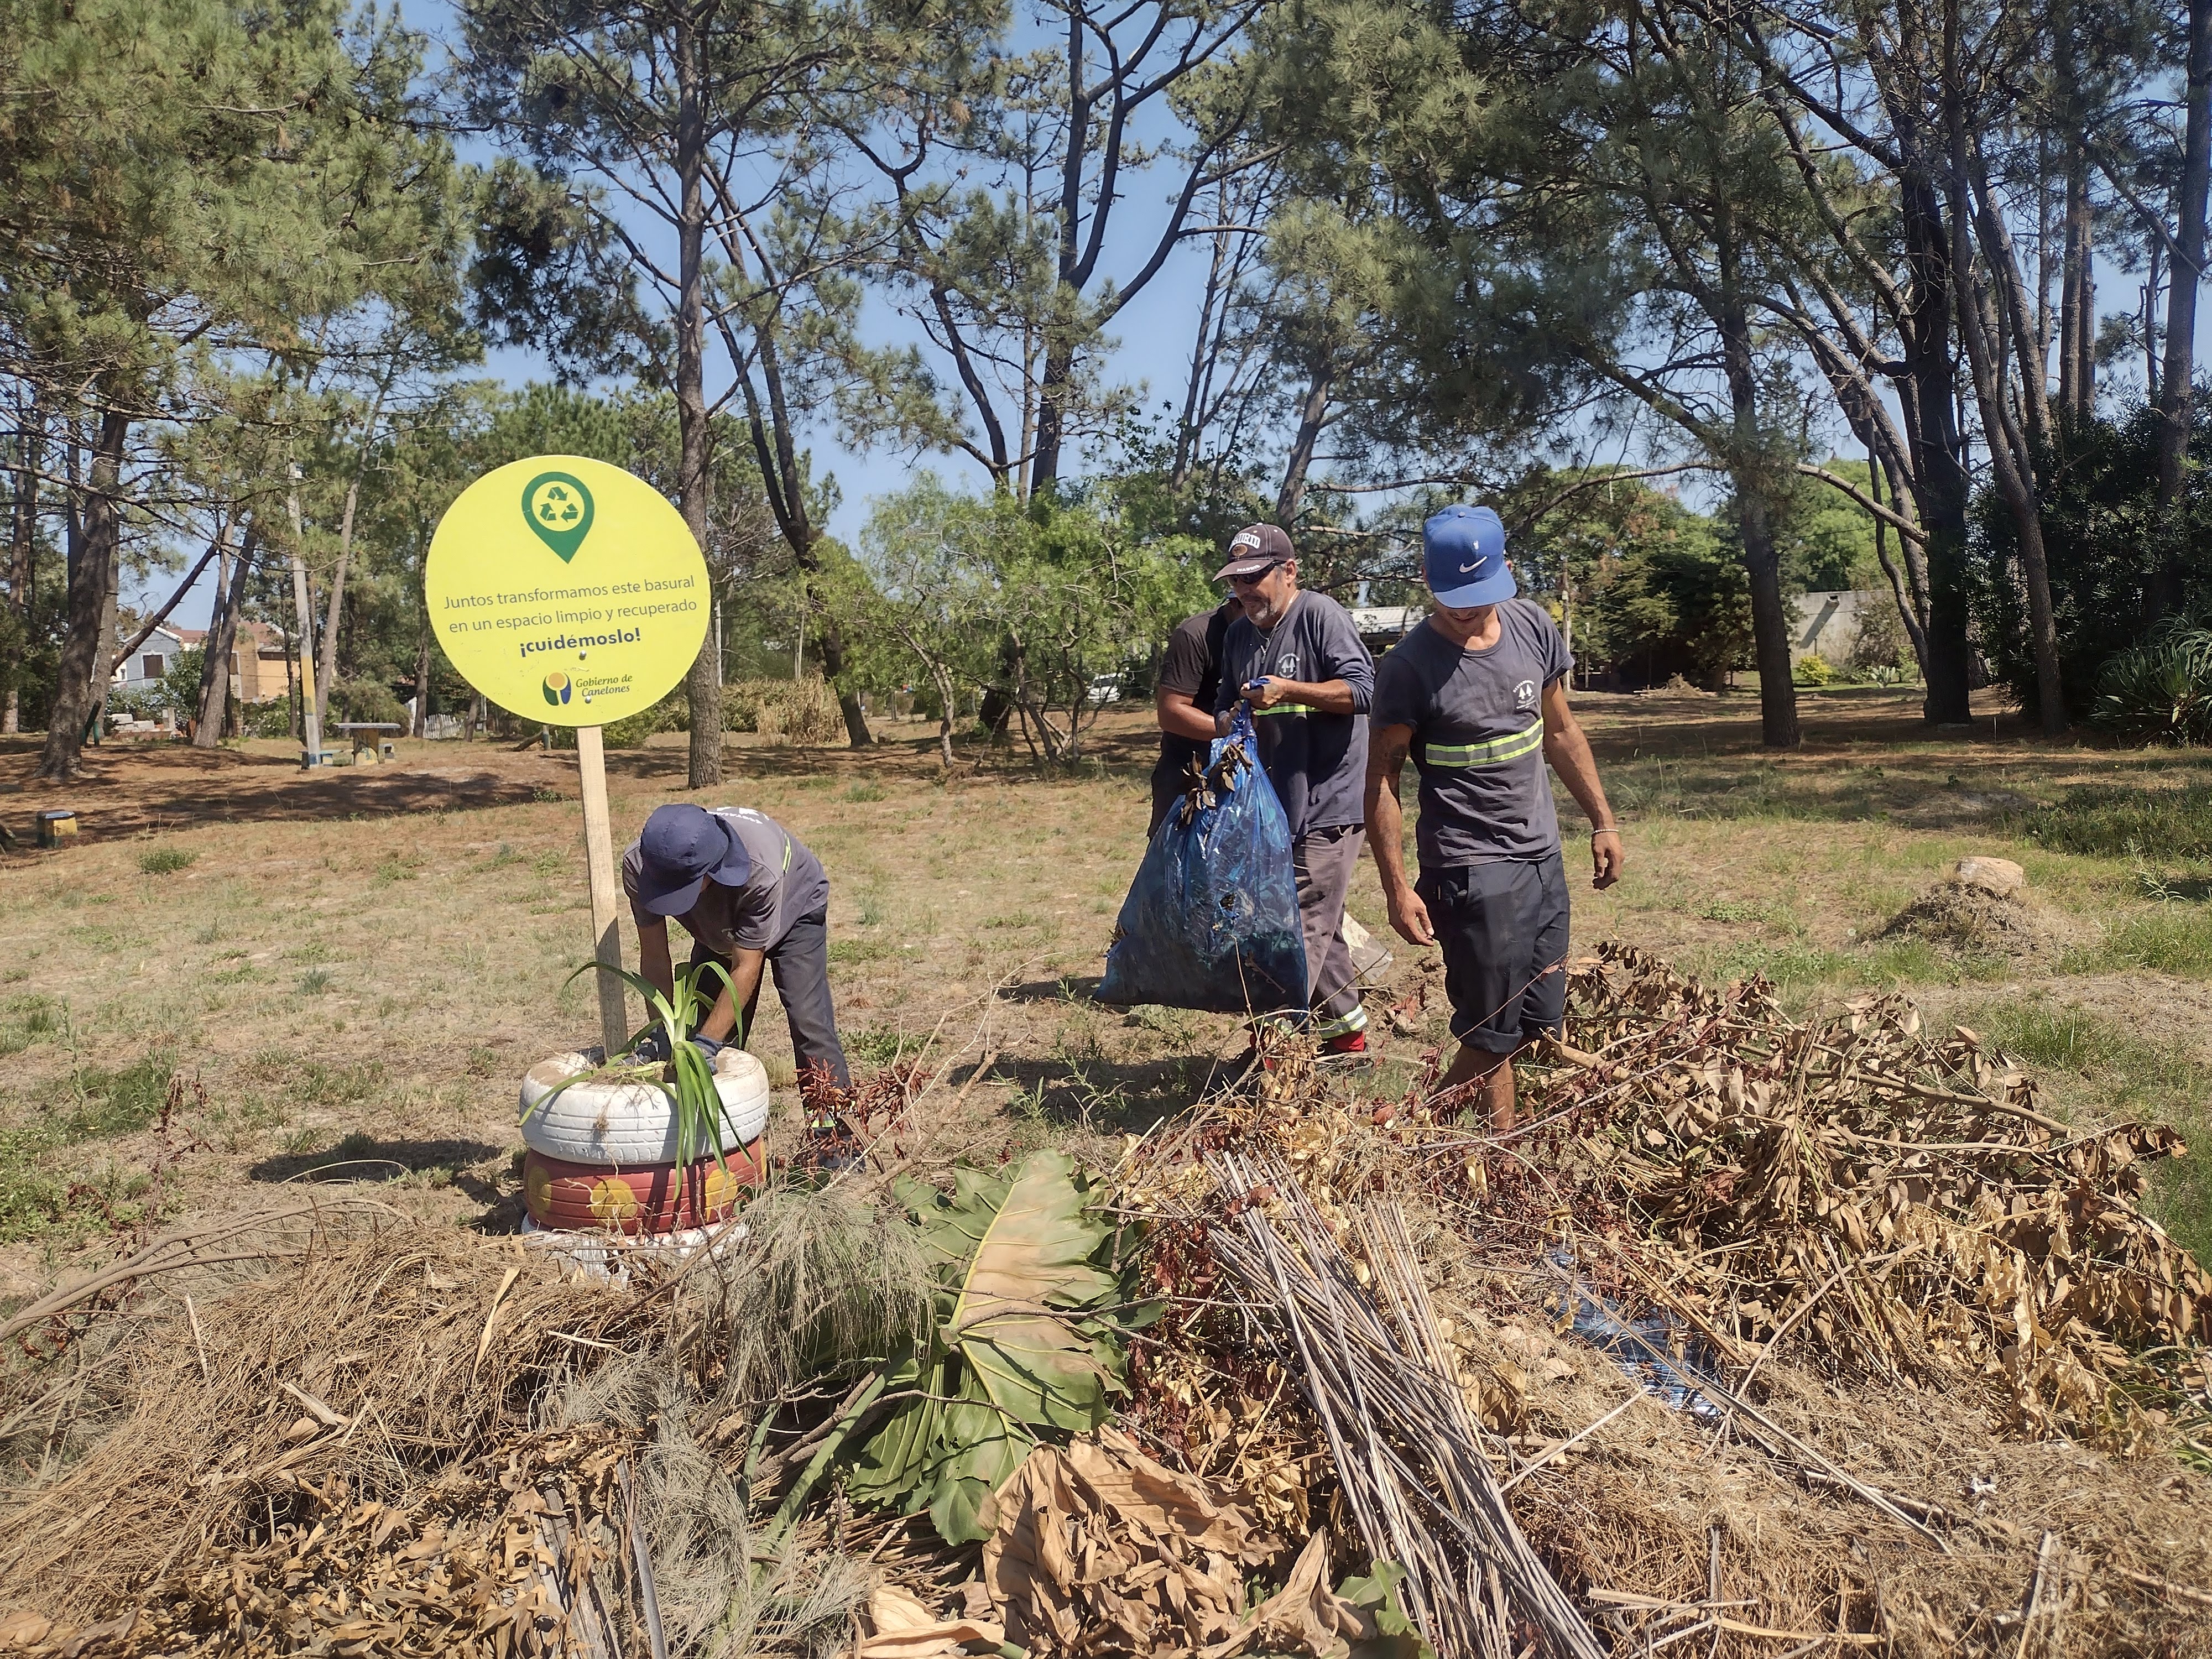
<point x="1407" y="1451"/>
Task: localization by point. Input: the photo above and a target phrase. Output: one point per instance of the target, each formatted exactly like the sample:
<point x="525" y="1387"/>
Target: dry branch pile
<point x="1770" y="1327"/>
<point x="1760" y="1336"/>
<point x="1896" y="1200"/>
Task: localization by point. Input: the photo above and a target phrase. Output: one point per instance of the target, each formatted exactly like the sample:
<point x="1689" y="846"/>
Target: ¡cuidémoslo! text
<point x="578" y="641"/>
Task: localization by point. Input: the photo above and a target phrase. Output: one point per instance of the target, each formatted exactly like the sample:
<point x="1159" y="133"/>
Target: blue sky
<point x="1152" y="337"/>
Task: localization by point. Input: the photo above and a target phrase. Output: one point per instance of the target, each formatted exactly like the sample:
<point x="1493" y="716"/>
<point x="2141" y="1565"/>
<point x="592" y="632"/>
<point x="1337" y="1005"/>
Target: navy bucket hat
<point x="682" y="848"/>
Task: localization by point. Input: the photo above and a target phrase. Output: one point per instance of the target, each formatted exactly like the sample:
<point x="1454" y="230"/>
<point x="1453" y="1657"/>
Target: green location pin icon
<point x="559" y="510"/>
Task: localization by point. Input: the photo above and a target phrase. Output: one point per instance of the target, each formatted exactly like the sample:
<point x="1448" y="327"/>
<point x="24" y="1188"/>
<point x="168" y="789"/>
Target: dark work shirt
<point x="785" y="884"/>
<point x="1317" y="762"/>
<point x="1477" y="736"/>
<point x="1192" y="667"/>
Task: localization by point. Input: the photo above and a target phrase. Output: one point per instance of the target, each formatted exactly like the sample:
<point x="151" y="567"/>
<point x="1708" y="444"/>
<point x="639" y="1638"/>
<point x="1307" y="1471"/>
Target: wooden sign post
<point x="570" y="593"/>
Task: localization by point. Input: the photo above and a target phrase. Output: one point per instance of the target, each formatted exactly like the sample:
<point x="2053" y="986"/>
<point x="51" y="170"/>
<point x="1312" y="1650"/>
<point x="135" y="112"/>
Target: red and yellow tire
<point x="642" y="1199"/>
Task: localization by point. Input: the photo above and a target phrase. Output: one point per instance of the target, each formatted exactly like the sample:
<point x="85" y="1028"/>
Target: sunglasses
<point x="1254" y="582"/>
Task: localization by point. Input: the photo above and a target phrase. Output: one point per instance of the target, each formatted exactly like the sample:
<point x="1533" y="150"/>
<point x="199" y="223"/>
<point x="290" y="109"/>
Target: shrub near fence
<point x="802" y="712"/>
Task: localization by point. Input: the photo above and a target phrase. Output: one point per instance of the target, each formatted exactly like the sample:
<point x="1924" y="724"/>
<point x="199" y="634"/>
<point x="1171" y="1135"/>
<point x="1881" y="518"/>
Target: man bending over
<point x="750" y="895"/>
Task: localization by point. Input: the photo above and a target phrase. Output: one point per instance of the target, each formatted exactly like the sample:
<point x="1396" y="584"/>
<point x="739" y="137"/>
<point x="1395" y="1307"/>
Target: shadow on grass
<point x="1105" y="1097"/>
<point x="361" y="1157"/>
<point x="1068" y="988"/>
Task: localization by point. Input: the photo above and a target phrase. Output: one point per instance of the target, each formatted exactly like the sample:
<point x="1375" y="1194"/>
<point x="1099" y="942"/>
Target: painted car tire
<point x="592" y="1198"/>
<point x="632" y="1123"/>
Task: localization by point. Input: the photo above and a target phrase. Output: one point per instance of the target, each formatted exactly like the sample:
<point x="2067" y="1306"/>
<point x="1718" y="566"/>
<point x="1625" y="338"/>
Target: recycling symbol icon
<point x="558" y="510"/>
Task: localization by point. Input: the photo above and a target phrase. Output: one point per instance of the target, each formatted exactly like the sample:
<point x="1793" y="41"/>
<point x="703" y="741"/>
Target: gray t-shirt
<point x="1477" y="736"/>
<point x="1318" y="762"/>
<point x="787" y="883"/>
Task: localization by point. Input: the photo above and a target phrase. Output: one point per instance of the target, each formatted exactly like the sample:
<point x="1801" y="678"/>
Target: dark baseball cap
<point x="683" y="847"/>
<point x="1255" y="548"/>
<point x="1463" y="556"/>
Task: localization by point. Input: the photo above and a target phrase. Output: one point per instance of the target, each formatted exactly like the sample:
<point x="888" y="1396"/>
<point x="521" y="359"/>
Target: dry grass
<point x="363" y="991"/>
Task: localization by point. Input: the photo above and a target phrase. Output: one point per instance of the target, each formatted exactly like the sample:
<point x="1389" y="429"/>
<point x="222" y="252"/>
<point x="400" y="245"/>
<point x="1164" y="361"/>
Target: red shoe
<point x="1348" y="1051"/>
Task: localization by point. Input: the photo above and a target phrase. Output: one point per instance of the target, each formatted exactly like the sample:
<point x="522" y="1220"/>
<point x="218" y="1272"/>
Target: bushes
<point x="803" y="712"/>
<point x="2104" y="542"/>
<point x="2161" y="690"/>
<point x="1813" y="669"/>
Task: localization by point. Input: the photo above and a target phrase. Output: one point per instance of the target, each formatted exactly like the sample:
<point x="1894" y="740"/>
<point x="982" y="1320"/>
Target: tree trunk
<point x="1898" y="590"/>
<point x="1942" y="485"/>
<point x="703" y="684"/>
<point x="2176" y="387"/>
<point x="1749" y="471"/>
<point x="79" y="678"/>
<point x="2012" y="459"/>
<point x="303" y="604"/>
<point x="2075" y="342"/>
<point x="1051" y="418"/>
<point x="1312" y="417"/>
<point x="326" y="670"/>
<point x="422" y="681"/>
<point x="23" y="541"/>
<point x="222" y="642"/>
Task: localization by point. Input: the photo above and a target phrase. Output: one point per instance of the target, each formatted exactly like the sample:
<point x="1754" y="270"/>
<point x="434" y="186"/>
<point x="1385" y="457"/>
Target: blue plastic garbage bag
<point x="1212" y="919"/>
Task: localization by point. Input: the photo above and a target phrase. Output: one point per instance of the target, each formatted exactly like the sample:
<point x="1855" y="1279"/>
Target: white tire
<point x="632" y="1123"/>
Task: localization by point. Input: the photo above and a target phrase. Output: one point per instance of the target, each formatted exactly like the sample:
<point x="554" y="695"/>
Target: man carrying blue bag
<point x="1212" y="919"/>
<point x="1295" y="659"/>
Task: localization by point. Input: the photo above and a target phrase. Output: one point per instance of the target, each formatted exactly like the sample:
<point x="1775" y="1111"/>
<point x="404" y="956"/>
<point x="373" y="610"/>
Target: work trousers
<point x="800" y="961"/>
<point x="1323" y="860"/>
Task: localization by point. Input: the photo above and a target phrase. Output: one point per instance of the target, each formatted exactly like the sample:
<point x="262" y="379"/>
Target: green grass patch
<point x="117" y="1102"/>
<point x="1734" y="910"/>
<point x="2114" y="820"/>
<point x="858" y="949"/>
<point x="2174" y="939"/>
<point x="27" y="1020"/>
<point x="2088" y="1063"/>
<point x="314" y="982"/>
<point x="864" y="791"/>
<point x="166" y="860"/>
<point x="877" y="1047"/>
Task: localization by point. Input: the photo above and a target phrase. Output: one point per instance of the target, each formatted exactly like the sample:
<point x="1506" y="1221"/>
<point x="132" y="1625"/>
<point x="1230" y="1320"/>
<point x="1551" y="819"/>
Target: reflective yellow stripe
<point x="1288" y="708"/>
<point x="1485" y="754"/>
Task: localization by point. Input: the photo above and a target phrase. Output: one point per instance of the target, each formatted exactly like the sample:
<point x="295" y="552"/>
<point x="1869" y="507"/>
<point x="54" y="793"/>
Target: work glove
<point x="652" y="1048"/>
<point x="706" y="1046"/>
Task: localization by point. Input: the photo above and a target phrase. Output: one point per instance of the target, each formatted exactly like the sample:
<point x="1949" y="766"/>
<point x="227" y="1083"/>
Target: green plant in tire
<point x="687" y="1077"/>
<point x="1028" y="1342"/>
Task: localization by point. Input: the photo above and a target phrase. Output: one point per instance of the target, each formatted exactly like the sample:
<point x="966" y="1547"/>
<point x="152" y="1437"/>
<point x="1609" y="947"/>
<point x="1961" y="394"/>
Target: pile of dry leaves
<point x="1775" y="1327"/>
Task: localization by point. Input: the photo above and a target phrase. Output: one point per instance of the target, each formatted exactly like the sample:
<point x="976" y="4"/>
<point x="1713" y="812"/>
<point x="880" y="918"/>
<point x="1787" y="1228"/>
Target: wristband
<point x="1605" y="829"/>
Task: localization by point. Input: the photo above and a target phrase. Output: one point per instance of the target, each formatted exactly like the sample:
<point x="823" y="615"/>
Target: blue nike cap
<point x="682" y="848"/>
<point x="1463" y="556"/>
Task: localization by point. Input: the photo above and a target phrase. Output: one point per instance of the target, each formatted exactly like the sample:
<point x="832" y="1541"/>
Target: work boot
<point x="1346" y="1052"/>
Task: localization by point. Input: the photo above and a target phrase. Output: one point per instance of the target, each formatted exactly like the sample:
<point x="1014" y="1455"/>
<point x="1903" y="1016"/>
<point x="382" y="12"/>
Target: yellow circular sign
<point x="567" y="591"/>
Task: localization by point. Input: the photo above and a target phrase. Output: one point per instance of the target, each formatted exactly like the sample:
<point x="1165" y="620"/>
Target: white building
<point x="1826" y="623"/>
<point x="143" y="669"/>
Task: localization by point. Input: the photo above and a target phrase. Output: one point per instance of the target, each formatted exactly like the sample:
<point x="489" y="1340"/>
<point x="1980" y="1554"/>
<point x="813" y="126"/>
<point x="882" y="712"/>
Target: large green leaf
<point x="891" y="1462"/>
<point x="1032" y="1267"/>
<point x="979" y="1447"/>
<point x="1026" y="1340"/>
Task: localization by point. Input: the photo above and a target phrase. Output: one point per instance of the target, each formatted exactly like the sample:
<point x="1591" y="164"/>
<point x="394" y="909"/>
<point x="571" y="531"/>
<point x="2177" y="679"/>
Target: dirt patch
<point x="1975" y="923"/>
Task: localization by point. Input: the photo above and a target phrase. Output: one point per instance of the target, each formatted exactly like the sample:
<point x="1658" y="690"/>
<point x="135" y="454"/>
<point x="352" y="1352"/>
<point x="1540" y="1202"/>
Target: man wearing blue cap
<point x="1477" y="696"/>
<point x="749" y="894"/>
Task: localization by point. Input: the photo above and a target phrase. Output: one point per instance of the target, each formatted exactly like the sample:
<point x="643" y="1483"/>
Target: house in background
<point x="143" y="669"/>
<point x="256" y="660"/>
<point x="1826" y="624"/>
